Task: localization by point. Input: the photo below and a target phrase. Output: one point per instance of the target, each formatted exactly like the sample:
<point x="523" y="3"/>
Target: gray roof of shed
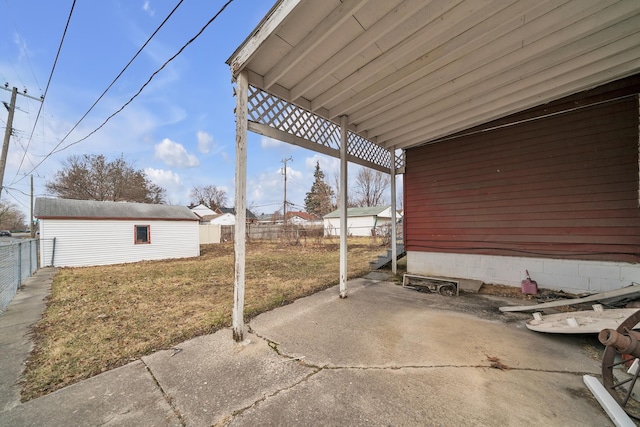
<point x="91" y="209"/>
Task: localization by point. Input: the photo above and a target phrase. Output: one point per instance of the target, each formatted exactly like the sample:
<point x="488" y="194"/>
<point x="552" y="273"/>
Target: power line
<point x="117" y="77"/>
<point x="55" y="150"/>
<point x="15" y="189"/>
<point x="14" y="197"/>
<point x="66" y="27"/>
<point x="22" y="45"/>
<point x="146" y="83"/>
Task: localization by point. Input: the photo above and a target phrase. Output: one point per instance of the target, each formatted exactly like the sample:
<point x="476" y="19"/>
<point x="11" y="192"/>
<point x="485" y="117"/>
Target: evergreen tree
<point x="318" y="200"/>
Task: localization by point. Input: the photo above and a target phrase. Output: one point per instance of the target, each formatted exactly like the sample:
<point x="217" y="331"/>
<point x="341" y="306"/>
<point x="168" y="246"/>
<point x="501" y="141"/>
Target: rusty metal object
<point x="628" y="343"/>
<point x="625" y="341"/>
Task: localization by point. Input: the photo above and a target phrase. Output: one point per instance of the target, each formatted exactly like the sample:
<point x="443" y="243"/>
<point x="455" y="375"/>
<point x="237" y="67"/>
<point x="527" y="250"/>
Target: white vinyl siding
<point x="102" y="242"/>
<point x="356" y="226"/>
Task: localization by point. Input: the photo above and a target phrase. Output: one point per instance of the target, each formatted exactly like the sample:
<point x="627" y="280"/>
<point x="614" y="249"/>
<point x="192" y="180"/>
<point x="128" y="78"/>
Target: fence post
<point x="19" y="264"/>
<point x="53" y="251"/>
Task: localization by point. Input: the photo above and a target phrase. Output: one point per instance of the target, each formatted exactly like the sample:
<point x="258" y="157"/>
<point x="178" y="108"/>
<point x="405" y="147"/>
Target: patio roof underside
<point x="406" y="73"/>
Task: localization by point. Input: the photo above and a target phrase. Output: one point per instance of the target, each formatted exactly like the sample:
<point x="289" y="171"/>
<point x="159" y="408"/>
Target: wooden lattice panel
<point x="269" y="110"/>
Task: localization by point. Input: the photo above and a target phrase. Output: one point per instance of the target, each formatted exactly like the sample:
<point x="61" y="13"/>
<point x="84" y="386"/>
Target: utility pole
<point x="11" y="108"/>
<point x="7" y="135"/>
<point x="284" y="204"/>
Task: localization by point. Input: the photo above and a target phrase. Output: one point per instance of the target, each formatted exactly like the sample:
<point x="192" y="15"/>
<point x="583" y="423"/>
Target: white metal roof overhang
<point x="407" y="72"/>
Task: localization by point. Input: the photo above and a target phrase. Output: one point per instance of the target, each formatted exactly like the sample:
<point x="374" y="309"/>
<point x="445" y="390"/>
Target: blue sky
<point x="180" y="130"/>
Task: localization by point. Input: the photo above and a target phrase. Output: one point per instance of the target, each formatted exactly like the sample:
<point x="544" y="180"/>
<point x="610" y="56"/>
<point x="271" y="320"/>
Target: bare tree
<point x="370" y="187"/>
<point x="92" y="177"/>
<point x="252" y="206"/>
<point x="11" y="218"/>
<point x="208" y="195"/>
<point x="336" y="185"/>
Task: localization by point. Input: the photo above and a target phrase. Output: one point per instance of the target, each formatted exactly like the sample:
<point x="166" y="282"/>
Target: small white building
<point x="368" y="221"/>
<point x="202" y="210"/>
<point x="76" y="233"/>
<point x="303" y="218"/>
<point x="221" y="219"/>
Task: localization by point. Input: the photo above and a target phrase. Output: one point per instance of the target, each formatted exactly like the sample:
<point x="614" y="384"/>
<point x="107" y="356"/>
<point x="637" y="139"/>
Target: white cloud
<point x="22" y="47"/>
<point x="328" y="165"/>
<point x="266" y="190"/>
<point x="147" y="8"/>
<point x="163" y="177"/>
<point x="293" y="174"/>
<point x="175" y="155"/>
<point x="205" y="141"/>
<point x="266" y="142"/>
<point x="170" y="181"/>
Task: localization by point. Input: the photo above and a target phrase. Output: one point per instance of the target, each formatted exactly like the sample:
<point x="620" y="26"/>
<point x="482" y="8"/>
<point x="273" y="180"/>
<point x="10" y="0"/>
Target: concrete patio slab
<point x="125" y="396"/>
<point x="445" y="396"/>
<point x="381" y="324"/>
<point x="211" y="377"/>
<point x="385" y="355"/>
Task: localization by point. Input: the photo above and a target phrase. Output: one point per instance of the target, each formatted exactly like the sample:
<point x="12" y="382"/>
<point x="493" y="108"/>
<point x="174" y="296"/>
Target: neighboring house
<point x="251" y="218"/>
<point x="303" y="218"/>
<point x="202" y="210"/>
<point x="268" y="219"/>
<point x="219" y="219"/>
<point x="369" y="221"/>
<point x="77" y="233"/>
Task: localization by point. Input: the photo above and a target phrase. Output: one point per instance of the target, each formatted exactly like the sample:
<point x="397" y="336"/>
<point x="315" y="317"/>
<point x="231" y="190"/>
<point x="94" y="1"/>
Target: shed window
<point x="142" y="234"/>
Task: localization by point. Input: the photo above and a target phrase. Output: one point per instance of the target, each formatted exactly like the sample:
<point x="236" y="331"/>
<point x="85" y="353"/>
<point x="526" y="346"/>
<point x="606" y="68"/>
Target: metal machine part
<point x="622" y="348"/>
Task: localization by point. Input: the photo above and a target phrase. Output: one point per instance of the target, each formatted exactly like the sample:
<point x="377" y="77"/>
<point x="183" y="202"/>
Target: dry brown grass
<point x="98" y="318"/>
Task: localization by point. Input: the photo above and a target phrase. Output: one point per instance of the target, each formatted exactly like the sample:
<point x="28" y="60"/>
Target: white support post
<point x="242" y="88"/>
<point x="343" y="206"/>
<point x="394" y="237"/>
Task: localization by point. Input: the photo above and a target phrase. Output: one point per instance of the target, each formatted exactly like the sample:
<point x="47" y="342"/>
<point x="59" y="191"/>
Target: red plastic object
<point x="529" y="286"/>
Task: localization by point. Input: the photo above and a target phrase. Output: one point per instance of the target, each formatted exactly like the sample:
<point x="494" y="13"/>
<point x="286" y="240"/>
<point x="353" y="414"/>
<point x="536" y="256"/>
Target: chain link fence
<point x="18" y="261"/>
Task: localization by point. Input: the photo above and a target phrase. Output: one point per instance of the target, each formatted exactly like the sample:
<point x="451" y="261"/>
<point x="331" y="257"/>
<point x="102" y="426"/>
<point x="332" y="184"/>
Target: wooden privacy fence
<point x="210" y="233"/>
<point x="225" y="233"/>
<point x="273" y="231"/>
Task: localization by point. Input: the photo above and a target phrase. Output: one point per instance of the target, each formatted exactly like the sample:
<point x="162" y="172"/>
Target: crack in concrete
<point x="319" y="368"/>
<point x="166" y="396"/>
<point x="274" y="346"/>
<point x="267" y="396"/>
<point x="400" y="367"/>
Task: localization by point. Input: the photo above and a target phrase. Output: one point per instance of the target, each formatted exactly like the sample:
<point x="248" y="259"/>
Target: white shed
<point x="303" y="218"/>
<point x="360" y="221"/>
<point x="223" y="219"/>
<point x="76" y="233"/>
<point x="202" y="210"/>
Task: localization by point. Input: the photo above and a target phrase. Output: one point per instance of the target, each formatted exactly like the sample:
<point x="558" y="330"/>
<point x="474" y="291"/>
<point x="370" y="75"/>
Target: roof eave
<point x="265" y="28"/>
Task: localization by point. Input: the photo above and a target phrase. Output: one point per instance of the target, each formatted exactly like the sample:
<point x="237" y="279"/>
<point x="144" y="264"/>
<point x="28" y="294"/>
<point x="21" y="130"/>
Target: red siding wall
<point x="564" y="186"/>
